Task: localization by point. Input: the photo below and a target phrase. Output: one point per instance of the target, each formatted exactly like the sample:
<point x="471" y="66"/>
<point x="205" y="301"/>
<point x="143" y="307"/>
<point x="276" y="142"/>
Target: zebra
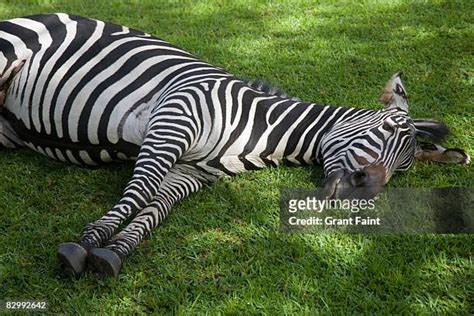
<point x="89" y="92"/>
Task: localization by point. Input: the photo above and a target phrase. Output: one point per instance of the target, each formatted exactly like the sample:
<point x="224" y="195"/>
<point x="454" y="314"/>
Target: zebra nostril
<point x="358" y="178"/>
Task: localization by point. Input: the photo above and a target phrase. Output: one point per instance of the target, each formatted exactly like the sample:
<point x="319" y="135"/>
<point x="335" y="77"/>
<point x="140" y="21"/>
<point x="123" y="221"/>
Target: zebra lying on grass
<point x="88" y="92"/>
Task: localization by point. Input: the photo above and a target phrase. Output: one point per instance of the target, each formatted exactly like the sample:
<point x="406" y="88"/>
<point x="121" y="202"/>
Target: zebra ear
<point x="394" y="94"/>
<point x="431" y="129"/>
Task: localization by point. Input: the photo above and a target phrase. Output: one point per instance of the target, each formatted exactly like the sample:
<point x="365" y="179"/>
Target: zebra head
<point x="361" y="154"/>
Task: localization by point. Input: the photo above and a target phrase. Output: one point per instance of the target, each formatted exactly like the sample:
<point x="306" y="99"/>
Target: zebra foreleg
<point x="437" y="153"/>
<point x="176" y="186"/>
<point x="159" y="152"/>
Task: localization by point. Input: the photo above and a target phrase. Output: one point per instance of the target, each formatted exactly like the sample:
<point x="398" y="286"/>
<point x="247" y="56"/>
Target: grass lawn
<point x="221" y="250"/>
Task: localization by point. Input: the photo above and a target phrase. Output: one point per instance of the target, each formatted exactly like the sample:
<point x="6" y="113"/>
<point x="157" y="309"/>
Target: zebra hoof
<point x="104" y="262"/>
<point x="72" y="258"/>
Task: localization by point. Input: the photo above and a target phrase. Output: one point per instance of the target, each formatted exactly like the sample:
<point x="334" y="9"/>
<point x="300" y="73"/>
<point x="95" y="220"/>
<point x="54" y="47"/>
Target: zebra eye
<point x="388" y="126"/>
<point x="399" y="90"/>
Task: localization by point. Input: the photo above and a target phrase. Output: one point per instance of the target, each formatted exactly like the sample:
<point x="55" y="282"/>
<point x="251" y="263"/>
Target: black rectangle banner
<point x="394" y="211"/>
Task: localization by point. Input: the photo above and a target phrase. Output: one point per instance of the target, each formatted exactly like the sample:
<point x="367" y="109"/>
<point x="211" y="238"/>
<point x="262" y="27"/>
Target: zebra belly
<point x="63" y="149"/>
<point x="83" y="154"/>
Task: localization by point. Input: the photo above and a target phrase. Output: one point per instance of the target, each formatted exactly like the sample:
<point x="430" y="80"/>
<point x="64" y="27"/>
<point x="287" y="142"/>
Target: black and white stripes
<point x="89" y="92"/>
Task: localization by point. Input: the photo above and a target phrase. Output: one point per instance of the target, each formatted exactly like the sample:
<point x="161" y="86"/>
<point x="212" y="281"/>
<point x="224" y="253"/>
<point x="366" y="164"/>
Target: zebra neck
<point x="295" y="130"/>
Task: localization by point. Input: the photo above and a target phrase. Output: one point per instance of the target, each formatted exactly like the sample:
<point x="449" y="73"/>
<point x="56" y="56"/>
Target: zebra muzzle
<point x="360" y="184"/>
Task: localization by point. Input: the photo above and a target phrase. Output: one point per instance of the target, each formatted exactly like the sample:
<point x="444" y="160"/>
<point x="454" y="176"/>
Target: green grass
<point x="221" y="249"/>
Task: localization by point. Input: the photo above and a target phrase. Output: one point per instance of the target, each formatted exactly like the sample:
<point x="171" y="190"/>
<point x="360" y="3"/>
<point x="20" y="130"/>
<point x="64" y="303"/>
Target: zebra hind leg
<point x="177" y="185"/>
<point x="159" y="152"/>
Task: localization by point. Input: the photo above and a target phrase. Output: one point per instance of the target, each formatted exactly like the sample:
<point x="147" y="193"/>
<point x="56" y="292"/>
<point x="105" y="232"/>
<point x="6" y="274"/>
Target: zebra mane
<point x="265" y="87"/>
<point x="431" y="129"/>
